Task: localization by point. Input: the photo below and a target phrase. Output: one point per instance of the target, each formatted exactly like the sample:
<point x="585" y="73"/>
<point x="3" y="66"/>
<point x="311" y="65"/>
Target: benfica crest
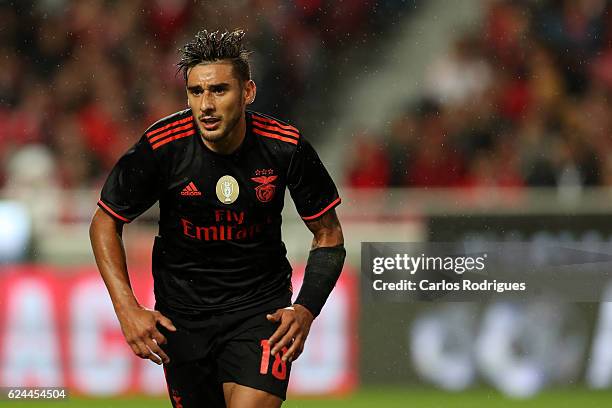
<point x="265" y="190"/>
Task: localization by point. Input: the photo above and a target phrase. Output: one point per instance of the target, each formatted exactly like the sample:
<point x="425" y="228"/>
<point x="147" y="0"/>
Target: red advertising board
<point x="58" y="328"/>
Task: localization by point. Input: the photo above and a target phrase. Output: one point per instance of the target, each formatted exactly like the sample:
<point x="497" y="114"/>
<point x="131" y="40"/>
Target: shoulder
<point x="179" y="125"/>
<point x="274" y="132"/>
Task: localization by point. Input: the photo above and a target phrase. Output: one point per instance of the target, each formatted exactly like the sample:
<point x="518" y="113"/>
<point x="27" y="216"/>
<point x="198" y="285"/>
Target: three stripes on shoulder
<point x="172" y="131"/>
<point x="273" y="129"/>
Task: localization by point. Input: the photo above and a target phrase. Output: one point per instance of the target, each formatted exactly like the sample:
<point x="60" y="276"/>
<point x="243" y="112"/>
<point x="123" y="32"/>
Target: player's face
<point x="218" y="100"/>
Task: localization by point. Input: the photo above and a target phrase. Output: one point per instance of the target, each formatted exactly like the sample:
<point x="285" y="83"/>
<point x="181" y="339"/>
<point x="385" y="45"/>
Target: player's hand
<point x="139" y="326"/>
<point x="294" y="327"/>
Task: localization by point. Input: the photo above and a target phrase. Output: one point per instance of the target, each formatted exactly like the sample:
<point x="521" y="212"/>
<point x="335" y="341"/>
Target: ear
<point x="250" y="91"/>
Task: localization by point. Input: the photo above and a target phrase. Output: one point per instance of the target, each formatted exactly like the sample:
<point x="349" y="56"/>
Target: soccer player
<point x="223" y="326"/>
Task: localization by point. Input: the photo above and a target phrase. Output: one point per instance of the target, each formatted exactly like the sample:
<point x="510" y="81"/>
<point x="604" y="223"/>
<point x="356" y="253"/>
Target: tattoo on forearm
<point x="327" y="227"/>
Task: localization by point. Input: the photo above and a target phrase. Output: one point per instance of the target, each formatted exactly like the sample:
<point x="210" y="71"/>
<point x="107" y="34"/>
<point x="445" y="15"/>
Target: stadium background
<point x="441" y="120"/>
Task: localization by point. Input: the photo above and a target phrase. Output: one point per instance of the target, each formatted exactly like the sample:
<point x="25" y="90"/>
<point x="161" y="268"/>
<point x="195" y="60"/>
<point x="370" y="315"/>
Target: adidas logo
<point x="191" y="190"/>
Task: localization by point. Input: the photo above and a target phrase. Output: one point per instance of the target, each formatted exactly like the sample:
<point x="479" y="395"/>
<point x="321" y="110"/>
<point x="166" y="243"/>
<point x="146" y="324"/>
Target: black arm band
<point x="322" y="271"/>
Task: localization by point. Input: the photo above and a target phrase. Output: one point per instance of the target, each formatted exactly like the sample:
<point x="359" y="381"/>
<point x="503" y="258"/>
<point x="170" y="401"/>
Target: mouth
<point x="210" y="122"/>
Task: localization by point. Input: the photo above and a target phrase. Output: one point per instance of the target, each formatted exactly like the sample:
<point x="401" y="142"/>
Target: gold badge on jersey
<point x="227" y="189"/>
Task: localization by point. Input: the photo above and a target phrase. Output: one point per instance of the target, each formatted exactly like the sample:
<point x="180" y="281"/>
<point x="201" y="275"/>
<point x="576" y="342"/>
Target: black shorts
<point x="231" y="347"/>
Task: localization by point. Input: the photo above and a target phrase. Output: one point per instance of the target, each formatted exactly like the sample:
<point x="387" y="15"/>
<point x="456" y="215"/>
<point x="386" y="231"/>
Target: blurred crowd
<point x="81" y="80"/>
<point x="524" y="101"/>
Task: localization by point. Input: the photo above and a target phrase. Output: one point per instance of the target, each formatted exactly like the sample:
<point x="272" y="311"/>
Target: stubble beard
<point x="206" y="135"/>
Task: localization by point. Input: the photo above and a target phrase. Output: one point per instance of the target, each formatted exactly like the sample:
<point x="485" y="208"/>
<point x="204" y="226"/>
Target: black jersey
<point x="219" y="245"/>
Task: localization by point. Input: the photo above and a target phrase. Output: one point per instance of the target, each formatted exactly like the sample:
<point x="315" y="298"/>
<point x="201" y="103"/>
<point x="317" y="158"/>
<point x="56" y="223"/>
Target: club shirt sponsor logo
<point x="228" y="225"/>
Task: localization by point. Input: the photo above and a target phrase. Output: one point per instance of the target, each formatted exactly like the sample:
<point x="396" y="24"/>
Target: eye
<point x="196" y="92"/>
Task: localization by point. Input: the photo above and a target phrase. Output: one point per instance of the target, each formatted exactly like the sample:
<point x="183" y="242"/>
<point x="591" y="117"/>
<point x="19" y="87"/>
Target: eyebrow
<point x="222" y="85"/>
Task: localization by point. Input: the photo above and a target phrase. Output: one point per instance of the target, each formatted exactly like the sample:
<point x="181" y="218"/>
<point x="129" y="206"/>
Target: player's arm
<point x="137" y="323"/>
<point x="324" y="264"/>
<point x="323" y="269"/>
<point x="326" y="231"/>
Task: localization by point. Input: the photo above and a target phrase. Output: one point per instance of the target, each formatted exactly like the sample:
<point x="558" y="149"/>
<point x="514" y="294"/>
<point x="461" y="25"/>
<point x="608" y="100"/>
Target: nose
<point x="208" y="103"/>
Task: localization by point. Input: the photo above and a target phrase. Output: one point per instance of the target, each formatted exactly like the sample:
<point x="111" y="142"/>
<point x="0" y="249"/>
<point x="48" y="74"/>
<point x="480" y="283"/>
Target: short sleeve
<point x="312" y="189"/>
<point x="133" y="184"/>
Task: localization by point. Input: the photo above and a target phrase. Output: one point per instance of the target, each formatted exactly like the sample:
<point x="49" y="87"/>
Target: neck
<point x="230" y="143"/>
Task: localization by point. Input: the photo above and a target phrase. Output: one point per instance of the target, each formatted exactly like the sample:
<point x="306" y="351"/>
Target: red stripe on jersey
<point x="323" y="211"/>
<point x="274" y="136"/>
<point x="274" y="122"/>
<point x="169" y="132"/>
<point x="110" y="210"/>
<point x="169" y="125"/>
<point x="172" y="138"/>
<point x="193" y="187"/>
<point x="188" y="188"/>
<point x="276" y="129"/>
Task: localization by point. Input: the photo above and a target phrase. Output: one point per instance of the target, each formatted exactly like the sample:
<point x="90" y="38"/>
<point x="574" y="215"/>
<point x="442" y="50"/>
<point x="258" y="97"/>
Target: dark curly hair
<point x="207" y="47"/>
